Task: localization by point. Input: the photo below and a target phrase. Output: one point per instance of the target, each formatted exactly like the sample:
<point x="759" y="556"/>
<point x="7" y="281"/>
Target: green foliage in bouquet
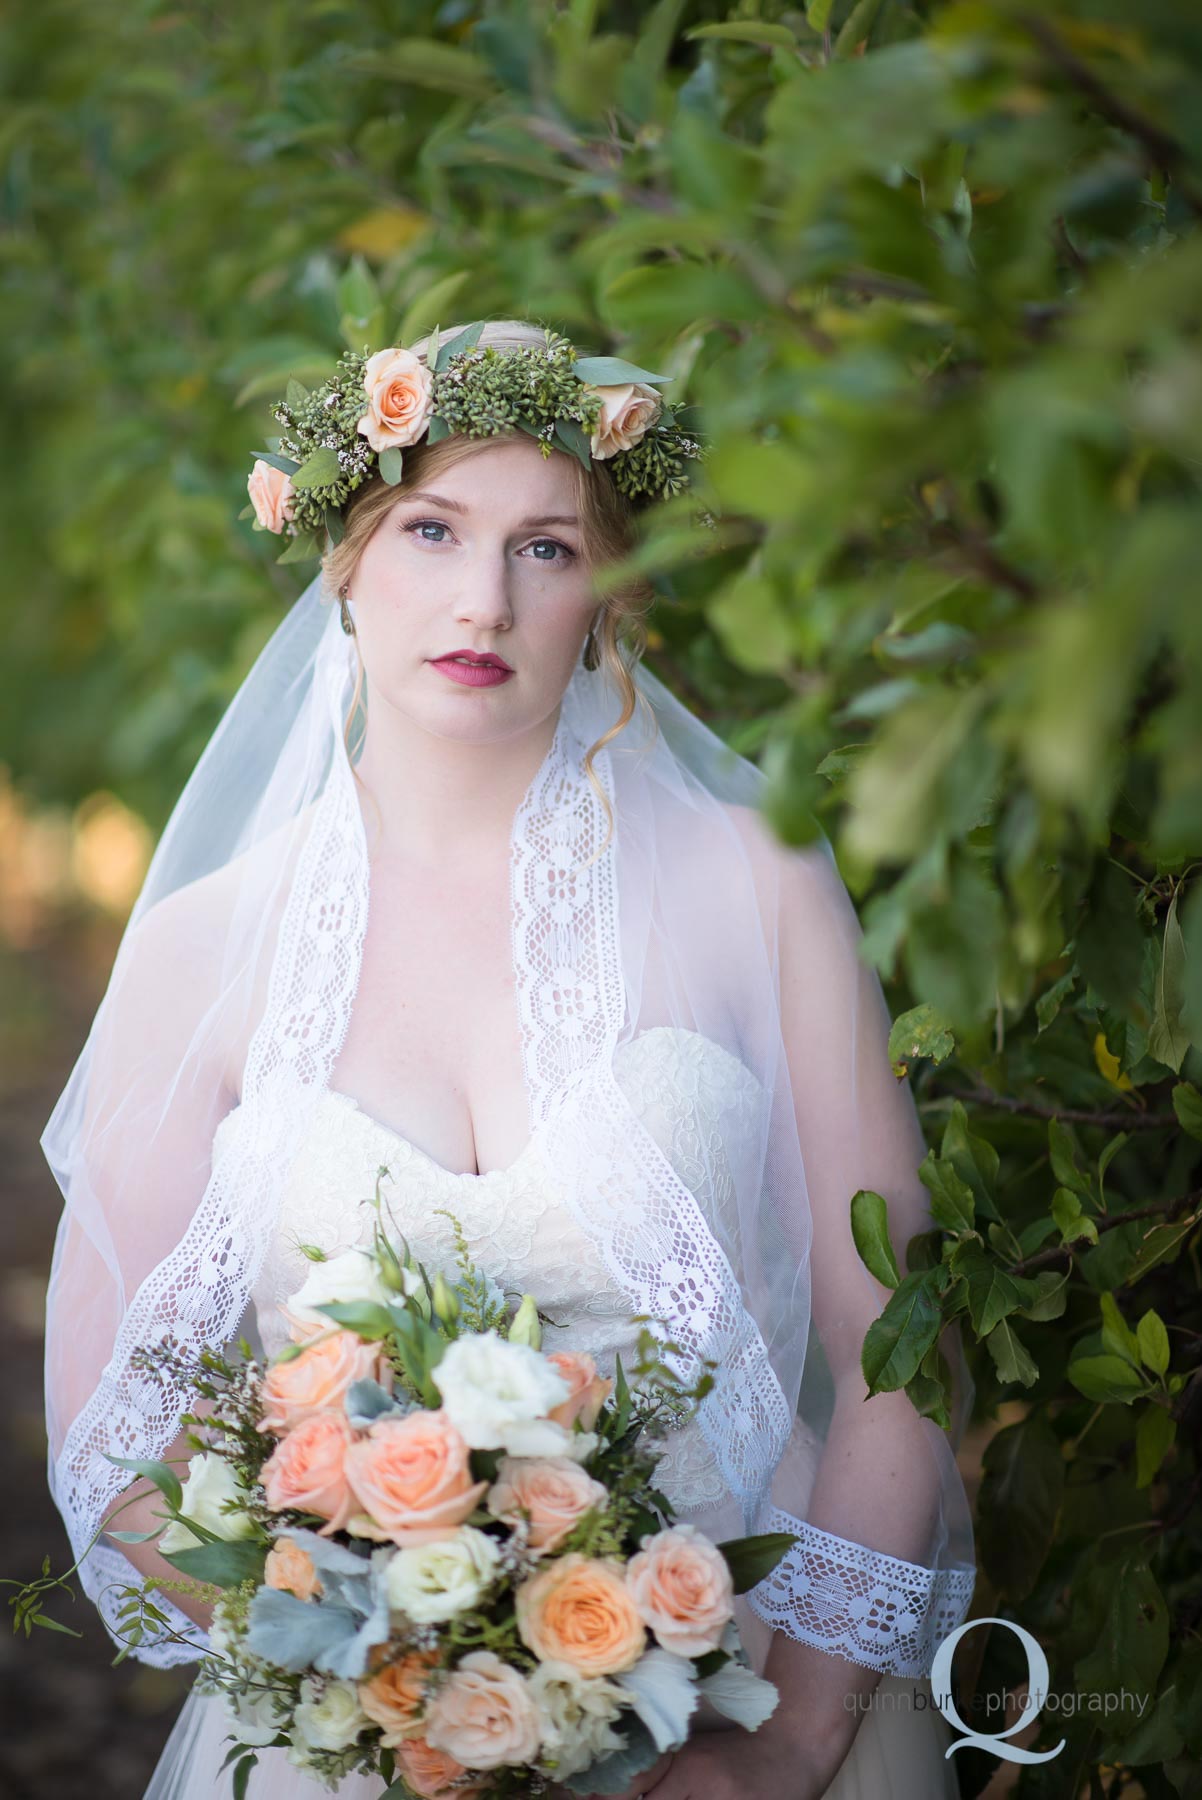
<point x="294" y="1647"/>
<point x="930" y="272"/>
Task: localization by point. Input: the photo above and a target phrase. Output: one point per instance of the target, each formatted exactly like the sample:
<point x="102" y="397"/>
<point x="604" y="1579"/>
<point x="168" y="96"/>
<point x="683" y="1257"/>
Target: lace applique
<point x="514" y="1220"/>
<point x="860" y="1604"/>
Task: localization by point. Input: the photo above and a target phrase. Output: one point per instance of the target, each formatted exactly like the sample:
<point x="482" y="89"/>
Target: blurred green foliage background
<point x="933" y="273"/>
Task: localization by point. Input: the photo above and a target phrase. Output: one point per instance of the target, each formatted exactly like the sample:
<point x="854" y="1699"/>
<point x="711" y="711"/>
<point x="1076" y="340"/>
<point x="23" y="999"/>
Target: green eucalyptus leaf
<point x="391" y="464"/>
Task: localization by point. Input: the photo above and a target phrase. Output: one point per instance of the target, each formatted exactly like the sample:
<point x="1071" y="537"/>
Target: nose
<point x="485" y="600"/>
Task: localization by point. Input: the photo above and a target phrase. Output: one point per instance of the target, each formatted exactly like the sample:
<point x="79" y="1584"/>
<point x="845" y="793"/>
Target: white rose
<point x="498" y="1394"/>
<point x="433" y="1582"/>
<point x="350" y="1277"/>
<point x="575" y="1713"/>
<point x="209" y="1481"/>
<point x="254" y="1718"/>
<point x="331" y="1720"/>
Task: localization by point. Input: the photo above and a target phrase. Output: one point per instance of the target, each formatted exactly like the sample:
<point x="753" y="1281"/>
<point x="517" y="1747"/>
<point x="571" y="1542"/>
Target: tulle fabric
<point x="898" y="1753"/>
<point x="238" y="977"/>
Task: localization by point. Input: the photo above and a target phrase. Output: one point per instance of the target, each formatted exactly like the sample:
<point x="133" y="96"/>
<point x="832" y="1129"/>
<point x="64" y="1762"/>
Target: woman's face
<point x="488" y="559"/>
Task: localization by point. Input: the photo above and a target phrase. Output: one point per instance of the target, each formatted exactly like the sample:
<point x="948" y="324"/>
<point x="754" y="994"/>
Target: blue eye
<point x="566" y="555"/>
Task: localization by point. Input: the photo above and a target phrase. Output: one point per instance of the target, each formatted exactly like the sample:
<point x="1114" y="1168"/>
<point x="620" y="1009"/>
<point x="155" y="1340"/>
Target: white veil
<point x="236" y="977"/>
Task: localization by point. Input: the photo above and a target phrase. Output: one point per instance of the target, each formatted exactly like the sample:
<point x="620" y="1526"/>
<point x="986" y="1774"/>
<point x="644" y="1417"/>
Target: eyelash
<point x="415" y="525"/>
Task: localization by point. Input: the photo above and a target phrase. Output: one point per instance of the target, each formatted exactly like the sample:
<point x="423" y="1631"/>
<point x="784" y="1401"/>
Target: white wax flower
<point x="433" y="1582"/>
<point x="208" y="1482"/>
<point x="498" y="1394"/>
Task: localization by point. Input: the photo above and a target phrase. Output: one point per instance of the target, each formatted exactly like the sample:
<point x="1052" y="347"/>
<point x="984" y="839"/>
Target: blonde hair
<point x="606" y="528"/>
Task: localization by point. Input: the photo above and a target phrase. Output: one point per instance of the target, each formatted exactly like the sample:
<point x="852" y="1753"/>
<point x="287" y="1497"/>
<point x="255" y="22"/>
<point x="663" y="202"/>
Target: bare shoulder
<point x="787" y="873"/>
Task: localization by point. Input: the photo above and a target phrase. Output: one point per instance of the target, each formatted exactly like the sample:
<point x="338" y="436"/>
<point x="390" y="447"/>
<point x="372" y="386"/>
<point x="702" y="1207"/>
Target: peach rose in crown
<point x="400" y="392"/>
<point x="588" y="1390"/>
<point x="290" y="1567"/>
<point x="553" y="1490"/>
<point x="578" y="1611"/>
<point x="271" y="492"/>
<point x="412" y="1478"/>
<point x="316" y="1381"/>
<point x="394" y="1697"/>
<point x="627" y="413"/>
<point x="430" y="1772"/>
<point x="681" y="1584"/>
<point x="484" y="1715"/>
<point x="306" y="1471"/>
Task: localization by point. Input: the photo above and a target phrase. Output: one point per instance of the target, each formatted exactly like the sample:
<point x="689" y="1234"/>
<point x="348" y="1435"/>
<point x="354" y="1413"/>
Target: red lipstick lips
<point x="473" y="668"/>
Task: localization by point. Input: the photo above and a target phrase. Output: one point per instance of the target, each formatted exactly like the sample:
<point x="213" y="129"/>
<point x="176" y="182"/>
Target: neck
<point x="435" y="800"/>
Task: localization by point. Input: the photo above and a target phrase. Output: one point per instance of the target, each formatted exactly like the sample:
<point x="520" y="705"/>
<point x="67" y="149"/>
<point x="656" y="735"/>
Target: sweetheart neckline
<point x="531" y="1143"/>
<point x="424" y="1155"/>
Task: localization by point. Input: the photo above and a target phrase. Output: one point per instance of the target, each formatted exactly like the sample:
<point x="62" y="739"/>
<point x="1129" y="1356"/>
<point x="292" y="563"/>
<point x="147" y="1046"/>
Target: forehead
<point x="507" y="480"/>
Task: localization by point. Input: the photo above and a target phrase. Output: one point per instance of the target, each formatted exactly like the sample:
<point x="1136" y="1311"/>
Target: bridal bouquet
<point x="437" y="1554"/>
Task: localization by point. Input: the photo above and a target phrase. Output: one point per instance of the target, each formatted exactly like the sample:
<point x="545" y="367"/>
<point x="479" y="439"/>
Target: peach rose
<point x="429" y="1772"/>
<point x="316" y="1381"/>
<point x="589" y="1391"/>
<point x="393" y="1698"/>
<point x="579" y="1612"/>
<point x="306" y="1471"/>
<point x="400" y="393"/>
<point x="290" y="1566"/>
<point x="413" y="1478"/>
<point x="484" y="1715"/>
<point x="270" y="491"/>
<point x="626" y="414"/>
<point x="554" y="1490"/>
<point x="681" y="1585"/>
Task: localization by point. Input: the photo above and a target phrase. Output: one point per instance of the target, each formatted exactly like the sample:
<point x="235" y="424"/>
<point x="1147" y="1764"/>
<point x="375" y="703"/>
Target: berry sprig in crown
<point x="364" y="416"/>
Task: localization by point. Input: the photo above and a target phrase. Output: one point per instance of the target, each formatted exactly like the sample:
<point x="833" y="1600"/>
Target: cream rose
<point x="484" y="1715"/>
<point x="430" y="1772"/>
<point x="413" y="1479"/>
<point x="289" y="1566"/>
<point x="499" y="1394"/>
<point x="553" y="1490"/>
<point x="400" y="392"/>
<point x="271" y="492"/>
<point x="576" y="1712"/>
<point x="329" y="1718"/>
<point x="208" y="1482"/>
<point x="316" y="1381"/>
<point x="578" y="1611"/>
<point x="306" y="1472"/>
<point x="681" y="1585"/>
<point x="394" y="1698"/>
<point x="626" y="414"/>
<point x="433" y="1582"/>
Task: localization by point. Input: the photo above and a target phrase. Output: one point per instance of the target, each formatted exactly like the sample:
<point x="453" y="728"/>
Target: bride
<point x="459" y="892"/>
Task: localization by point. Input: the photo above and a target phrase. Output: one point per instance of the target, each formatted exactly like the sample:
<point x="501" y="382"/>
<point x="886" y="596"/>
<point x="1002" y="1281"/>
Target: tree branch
<point x="1072" y="1115"/>
<point x="1167" y="1210"/>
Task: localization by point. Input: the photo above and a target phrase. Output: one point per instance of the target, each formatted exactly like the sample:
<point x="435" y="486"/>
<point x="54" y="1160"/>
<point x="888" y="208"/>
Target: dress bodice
<point x="697" y="1100"/>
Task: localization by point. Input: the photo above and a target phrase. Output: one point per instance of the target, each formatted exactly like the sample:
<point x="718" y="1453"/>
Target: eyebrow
<point x="523" y="525"/>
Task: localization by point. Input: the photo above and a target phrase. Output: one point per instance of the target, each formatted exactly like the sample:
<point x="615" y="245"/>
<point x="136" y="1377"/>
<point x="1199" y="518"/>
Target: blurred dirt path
<point x="71" y="1726"/>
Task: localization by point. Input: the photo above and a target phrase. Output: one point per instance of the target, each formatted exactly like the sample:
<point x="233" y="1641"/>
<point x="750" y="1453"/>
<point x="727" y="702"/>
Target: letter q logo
<point x="992" y="1741"/>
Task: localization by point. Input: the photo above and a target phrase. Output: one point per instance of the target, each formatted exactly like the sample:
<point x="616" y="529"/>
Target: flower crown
<point x="365" y="415"/>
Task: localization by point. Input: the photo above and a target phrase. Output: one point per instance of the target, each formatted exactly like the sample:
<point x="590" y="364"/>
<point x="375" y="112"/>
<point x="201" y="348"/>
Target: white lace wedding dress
<point x="681" y="1085"/>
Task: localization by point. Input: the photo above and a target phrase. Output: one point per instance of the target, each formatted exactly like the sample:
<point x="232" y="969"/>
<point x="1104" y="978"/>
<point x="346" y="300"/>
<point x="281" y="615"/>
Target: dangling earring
<point x="348" y="624"/>
<point x="592" y="657"/>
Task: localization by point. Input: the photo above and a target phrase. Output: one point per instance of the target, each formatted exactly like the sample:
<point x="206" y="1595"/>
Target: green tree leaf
<point x="897" y="1342"/>
<point x="870" y="1233"/>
